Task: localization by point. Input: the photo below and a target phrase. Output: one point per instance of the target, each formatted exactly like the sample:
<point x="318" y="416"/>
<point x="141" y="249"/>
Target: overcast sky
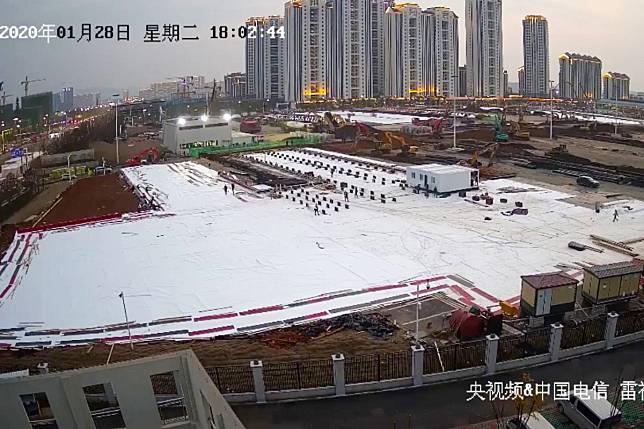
<point x="611" y="30"/>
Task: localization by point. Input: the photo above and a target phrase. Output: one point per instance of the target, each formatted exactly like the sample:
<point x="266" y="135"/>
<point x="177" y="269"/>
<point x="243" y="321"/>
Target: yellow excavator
<point x="517" y="132"/>
<point x="383" y="141"/>
<point x="473" y="162"/>
<point x="393" y="141"/>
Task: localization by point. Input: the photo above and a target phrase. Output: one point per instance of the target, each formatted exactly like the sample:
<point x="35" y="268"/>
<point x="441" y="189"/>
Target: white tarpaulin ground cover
<point x="217" y="263"/>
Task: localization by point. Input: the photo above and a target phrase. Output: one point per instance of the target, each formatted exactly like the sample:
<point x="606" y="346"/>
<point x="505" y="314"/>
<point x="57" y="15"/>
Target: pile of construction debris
<point x="376" y="325"/>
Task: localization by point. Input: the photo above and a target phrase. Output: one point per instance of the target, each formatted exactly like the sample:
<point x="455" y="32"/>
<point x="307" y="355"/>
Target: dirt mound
<point x="93" y="196"/>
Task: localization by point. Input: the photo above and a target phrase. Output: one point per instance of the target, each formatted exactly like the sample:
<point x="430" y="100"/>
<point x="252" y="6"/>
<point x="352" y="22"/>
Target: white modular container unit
<point x="442" y="178"/>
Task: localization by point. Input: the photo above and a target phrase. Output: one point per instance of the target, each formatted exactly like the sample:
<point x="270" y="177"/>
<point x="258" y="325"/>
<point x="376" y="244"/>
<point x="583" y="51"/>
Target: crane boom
<point x="26" y="83"/>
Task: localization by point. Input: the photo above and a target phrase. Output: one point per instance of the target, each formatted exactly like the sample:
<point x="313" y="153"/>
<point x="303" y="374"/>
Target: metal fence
<point x="629" y="323"/>
<point x="376" y="367"/>
<point x="229" y="150"/>
<point x="586" y="332"/>
<point x="454" y="356"/>
<point x="519" y="346"/>
<point x="298" y="375"/>
<point x="232" y="379"/>
<point x="280" y="376"/>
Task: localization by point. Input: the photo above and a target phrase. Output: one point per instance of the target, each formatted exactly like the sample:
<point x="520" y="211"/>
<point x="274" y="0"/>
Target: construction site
<point x="334" y="214"/>
<point x="298" y="232"/>
<point x="362" y="234"/>
<point x="608" y="151"/>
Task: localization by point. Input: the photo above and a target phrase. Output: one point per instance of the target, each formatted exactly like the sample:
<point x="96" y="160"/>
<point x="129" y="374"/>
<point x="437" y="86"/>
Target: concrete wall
<point x="130" y="383"/>
<point x="61" y="158"/>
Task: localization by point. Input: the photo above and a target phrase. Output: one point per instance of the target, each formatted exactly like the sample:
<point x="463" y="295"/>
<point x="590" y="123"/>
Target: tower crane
<point x="26" y="83"/>
<point x="212" y="99"/>
<point x="185" y="83"/>
<point x="4" y="98"/>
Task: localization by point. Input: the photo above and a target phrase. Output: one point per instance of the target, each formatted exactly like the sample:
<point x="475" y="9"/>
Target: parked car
<point x="535" y="421"/>
<point x="590" y="413"/>
<point x="68" y="176"/>
<point x="102" y="170"/>
<point x="587" y="181"/>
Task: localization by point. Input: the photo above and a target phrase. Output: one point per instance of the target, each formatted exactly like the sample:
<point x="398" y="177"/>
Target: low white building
<point x="442" y="178"/>
<point x="185" y="133"/>
<point x="243" y="139"/>
<point x="16" y="167"/>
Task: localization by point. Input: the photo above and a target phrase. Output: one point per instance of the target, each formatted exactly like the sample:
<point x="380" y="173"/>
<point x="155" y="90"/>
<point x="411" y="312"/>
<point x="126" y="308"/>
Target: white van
<point x="590" y="413"/>
<point x="535" y="421"/>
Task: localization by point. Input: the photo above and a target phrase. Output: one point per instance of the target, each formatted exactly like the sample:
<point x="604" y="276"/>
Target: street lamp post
<point x="551" y="107"/>
<point x="455" y="77"/>
<point x="116" y="126"/>
<point x="127" y="321"/>
<point x="417" y="307"/>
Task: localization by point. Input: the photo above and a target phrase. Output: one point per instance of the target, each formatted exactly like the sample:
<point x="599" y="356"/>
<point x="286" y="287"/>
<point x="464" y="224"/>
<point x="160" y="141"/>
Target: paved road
<point x="39" y="203"/>
<point x="434" y="407"/>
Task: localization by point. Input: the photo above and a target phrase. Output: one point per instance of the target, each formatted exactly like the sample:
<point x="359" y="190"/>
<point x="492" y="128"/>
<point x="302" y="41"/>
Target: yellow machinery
<point x="409" y="150"/>
<point x="517" y="132"/>
<point x="473" y="162"/>
<point x="397" y="142"/>
<point x="508" y="309"/>
<point x="562" y="149"/>
<point x="383" y="142"/>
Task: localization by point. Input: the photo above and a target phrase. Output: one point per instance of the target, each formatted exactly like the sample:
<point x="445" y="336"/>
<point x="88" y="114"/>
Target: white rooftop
<point x="241" y="134"/>
<point x="189" y="121"/>
<point x="440" y="168"/>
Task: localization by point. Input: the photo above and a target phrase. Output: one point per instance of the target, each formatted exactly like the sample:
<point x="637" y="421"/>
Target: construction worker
<point x="615" y="216"/>
<point x="226" y="189"/>
<point x="346" y="197"/>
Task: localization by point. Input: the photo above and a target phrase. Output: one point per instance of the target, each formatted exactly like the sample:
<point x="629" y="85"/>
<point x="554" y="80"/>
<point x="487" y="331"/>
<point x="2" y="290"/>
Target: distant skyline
<point x="593" y="27"/>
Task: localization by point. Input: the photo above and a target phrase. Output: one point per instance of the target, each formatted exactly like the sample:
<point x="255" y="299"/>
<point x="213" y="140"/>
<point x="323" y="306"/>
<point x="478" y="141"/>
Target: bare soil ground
<point x="7" y="232"/>
<point x="220" y="352"/>
<point x="597" y="151"/>
<point x="93" y="196"/>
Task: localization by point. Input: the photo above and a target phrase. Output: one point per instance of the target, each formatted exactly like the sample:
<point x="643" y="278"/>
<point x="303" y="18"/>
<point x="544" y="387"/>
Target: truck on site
<point x="146" y="156"/>
<point x="250" y="126"/>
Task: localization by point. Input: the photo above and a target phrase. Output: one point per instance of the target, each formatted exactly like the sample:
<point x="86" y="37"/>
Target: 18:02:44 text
<point x="247" y="32"/>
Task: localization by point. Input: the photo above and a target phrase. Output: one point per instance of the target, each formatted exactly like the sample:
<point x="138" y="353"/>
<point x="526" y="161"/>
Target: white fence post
<point x="257" y="368"/>
<point x="611" y="329"/>
<point x="491" y="348"/>
<point x="417" y="353"/>
<point x="338" y="374"/>
<point x="555" y="341"/>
